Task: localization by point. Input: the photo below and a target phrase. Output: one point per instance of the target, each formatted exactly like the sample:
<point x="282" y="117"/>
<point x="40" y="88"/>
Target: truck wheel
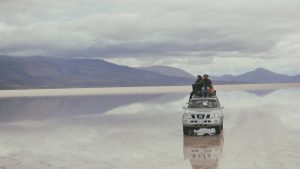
<point x="186" y="130"/>
<point x="218" y="130"/>
<point x="192" y="131"/>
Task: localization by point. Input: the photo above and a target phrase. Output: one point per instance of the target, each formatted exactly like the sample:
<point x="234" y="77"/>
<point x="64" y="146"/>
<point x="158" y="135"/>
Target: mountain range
<point x="58" y="72"/>
<point x="259" y="75"/>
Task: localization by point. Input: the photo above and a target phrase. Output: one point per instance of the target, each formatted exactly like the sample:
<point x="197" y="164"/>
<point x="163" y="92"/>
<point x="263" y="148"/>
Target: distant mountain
<point x="56" y="72"/>
<point x="224" y="78"/>
<point x="259" y="75"/>
<point x="167" y="70"/>
<point x="296" y="78"/>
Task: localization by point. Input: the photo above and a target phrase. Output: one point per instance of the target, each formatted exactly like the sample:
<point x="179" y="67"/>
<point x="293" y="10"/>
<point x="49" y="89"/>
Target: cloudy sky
<point x="211" y="36"/>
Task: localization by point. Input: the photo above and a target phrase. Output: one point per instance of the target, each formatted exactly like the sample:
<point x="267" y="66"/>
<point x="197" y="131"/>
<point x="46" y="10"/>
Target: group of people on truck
<point x="203" y="87"/>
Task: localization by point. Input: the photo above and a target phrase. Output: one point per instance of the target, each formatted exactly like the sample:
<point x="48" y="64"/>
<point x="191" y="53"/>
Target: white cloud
<point x="198" y="35"/>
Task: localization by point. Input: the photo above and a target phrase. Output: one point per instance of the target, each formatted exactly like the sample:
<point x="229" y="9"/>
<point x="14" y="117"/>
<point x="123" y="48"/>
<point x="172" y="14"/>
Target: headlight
<point x="214" y="115"/>
<point x="187" y="116"/>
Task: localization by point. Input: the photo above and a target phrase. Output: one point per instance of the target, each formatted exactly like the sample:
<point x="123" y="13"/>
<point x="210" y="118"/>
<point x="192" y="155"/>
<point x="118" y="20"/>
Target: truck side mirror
<point x="221" y="107"/>
<point x="184" y="107"/>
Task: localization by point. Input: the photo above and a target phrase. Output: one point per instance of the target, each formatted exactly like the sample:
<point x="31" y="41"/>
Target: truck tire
<point x="186" y="130"/>
<point x="222" y="126"/>
<point x="192" y="131"/>
<point x="218" y="130"/>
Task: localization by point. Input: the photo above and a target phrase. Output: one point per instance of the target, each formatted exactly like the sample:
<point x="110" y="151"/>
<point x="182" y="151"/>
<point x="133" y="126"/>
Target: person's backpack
<point x="212" y="91"/>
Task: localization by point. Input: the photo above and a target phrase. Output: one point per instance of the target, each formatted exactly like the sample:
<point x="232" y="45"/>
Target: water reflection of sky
<point x="283" y="103"/>
<point x="136" y="131"/>
<point x="45" y="108"/>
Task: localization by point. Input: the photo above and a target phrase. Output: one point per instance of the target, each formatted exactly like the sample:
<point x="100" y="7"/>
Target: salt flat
<point x="129" y="131"/>
<point x="136" y="90"/>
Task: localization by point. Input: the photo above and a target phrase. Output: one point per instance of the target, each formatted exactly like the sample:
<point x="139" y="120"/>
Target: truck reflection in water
<point x="203" y="152"/>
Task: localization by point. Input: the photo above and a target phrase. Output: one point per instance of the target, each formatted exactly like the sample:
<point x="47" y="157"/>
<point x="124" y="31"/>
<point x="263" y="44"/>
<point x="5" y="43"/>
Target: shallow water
<point x="261" y="130"/>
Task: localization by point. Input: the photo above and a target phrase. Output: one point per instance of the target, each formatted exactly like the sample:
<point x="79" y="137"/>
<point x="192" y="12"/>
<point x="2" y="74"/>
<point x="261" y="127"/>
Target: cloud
<point x="160" y="31"/>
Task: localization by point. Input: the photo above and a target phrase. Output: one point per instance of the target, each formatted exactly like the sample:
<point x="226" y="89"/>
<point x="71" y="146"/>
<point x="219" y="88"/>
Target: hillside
<point x="259" y="75"/>
<point x="55" y="72"/>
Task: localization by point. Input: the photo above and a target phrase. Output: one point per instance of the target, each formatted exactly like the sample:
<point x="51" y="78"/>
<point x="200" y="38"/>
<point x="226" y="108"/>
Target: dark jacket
<point x="198" y="81"/>
<point x="197" y="85"/>
<point x="206" y="83"/>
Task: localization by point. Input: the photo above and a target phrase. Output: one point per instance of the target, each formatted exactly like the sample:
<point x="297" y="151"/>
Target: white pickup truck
<point x="203" y="112"/>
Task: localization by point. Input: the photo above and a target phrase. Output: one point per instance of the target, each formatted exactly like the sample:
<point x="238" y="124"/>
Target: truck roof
<point x="204" y="98"/>
<point x="199" y="98"/>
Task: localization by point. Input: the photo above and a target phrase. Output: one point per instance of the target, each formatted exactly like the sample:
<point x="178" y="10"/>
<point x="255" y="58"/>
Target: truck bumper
<point x="202" y="123"/>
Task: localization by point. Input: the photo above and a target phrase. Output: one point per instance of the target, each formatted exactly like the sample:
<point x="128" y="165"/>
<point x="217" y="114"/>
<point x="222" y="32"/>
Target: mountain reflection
<point x="203" y="152"/>
<point x="261" y="93"/>
<point x="45" y="108"/>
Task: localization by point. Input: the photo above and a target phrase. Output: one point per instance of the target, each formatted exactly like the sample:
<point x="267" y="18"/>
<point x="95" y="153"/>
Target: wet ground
<point x="261" y="131"/>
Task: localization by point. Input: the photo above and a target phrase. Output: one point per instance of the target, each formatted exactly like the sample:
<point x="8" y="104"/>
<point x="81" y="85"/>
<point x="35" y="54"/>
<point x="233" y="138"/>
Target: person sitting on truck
<point x="212" y="91"/>
<point x="196" y="87"/>
<point x="198" y="80"/>
<point x="206" y="85"/>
